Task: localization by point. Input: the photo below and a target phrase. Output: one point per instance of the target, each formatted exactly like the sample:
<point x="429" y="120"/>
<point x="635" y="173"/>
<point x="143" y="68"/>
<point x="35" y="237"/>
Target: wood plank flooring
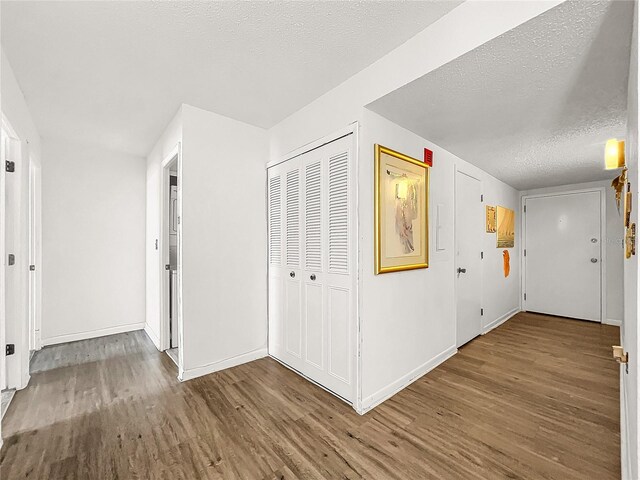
<point x="535" y="398"/>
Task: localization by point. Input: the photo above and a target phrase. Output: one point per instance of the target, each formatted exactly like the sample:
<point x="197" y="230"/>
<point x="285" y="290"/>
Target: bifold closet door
<point x="311" y="269"/>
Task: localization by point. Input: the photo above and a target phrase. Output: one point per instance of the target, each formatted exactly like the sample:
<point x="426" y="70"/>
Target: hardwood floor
<point x="535" y="398"/>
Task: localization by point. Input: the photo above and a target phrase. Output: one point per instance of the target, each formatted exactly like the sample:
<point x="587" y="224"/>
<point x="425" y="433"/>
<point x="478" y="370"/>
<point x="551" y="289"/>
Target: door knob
<point x="462" y="270"/>
<point x="292" y="274"/>
<point x="313" y="276"/>
<point x="594" y="260"/>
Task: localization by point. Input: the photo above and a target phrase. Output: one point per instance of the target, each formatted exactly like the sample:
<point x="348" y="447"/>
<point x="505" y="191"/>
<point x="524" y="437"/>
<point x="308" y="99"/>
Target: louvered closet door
<point x="311" y="310"/>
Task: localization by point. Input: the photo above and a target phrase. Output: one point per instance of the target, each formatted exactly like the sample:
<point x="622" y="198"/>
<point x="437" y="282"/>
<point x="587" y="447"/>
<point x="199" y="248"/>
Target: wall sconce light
<point x="614" y="154"/>
<point x="614" y="159"/>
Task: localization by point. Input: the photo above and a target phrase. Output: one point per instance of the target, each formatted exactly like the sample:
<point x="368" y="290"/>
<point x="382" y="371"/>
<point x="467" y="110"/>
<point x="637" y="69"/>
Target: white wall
<point x="408" y="318"/>
<point x="14" y="108"/>
<point x="224" y="241"/>
<point x="394" y="355"/>
<point x="163" y="148"/>
<point x="93" y="242"/>
<point x="629" y="381"/>
<point x="613" y="242"/>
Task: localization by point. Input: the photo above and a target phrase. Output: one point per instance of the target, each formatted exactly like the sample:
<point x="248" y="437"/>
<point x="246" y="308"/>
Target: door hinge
<point x="525" y="296"/>
<point x="481" y="255"/>
<point x="10" y="166"/>
<point x="525" y="209"/>
<point x="481" y="312"/>
<point x="11" y="260"/>
<point x="32" y="268"/>
<point x="10" y="349"/>
<point x="525" y="252"/>
<point x="481" y="198"/>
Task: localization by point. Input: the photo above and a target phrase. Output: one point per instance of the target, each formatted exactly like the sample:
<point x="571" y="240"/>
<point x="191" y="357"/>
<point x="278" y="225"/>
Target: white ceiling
<point x="534" y="106"/>
<point x="114" y="73"/>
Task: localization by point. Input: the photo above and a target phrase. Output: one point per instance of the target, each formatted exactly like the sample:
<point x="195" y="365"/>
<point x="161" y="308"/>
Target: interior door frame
<point x="163" y="247"/>
<point x="16" y="370"/>
<point x="35" y="255"/>
<point x="458" y="169"/>
<point x="3" y="252"/>
<point x="603" y="251"/>
<point x="351" y="129"/>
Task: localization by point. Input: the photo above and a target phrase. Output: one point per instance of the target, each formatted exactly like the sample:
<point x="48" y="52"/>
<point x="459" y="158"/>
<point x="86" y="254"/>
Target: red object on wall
<point x="428" y="157"/>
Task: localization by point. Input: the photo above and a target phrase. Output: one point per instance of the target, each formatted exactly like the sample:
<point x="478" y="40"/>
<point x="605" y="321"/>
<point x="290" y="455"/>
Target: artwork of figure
<point x="406" y="210"/>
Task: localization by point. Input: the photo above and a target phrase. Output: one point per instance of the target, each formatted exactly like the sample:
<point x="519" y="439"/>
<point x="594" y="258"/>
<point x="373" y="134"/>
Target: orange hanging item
<point x="505" y="260"/>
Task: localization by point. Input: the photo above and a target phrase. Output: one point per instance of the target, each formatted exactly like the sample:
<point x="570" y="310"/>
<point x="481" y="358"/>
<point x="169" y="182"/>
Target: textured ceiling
<point x="114" y="73"/>
<point x="534" y="106"/>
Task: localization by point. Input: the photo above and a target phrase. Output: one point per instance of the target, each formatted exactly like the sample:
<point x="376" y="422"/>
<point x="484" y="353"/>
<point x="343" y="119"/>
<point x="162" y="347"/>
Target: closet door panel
<point x="293" y="283"/>
<point x="314" y="325"/>
<point x="292" y="330"/>
<point x="275" y="251"/>
<point x="317" y="272"/>
<point x="339" y="334"/>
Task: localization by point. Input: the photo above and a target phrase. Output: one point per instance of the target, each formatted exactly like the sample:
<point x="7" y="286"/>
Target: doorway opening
<point x="170" y="256"/>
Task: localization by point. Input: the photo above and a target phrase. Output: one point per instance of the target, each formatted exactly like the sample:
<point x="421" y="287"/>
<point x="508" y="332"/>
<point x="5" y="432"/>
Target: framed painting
<point x="505" y="227"/>
<point x="491" y="219"/>
<point x="401" y="212"/>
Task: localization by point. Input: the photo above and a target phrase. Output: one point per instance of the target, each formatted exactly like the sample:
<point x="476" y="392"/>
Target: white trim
<point x="3" y="322"/>
<point x="500" y="320"/>
<point x="102" y="332"/>
<point x="192" y="373"/>
<point x="357" y="401"/>
<point x="612" y="321"/>
<point x="625" y="458"/>
<point x="603" y="236"/>
<point x="332" y="137"/>
<point x="163" y="247"/>
<point x="152" y="336"/>
<point x="390" y="390"/>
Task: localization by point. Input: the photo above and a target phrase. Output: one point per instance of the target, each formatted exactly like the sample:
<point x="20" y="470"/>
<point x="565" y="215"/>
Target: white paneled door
<point x="563" y="255"/>
<point x="312" y="265"/>
<point x="469" y="228"/>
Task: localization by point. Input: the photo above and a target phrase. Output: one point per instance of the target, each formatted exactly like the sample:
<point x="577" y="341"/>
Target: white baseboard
<point x="390" y="390"/>
<point x="152" y="336"/>
<point x="102" y="332"/>
<point x="611" y="321"/>
<point x="500" y="320"/>
<point x="191" y="373"/>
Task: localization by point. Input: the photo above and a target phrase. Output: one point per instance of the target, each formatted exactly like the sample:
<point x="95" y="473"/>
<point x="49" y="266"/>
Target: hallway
<point x="535" y="398"/>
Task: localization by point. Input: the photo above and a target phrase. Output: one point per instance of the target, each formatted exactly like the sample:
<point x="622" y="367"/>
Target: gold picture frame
<point x="401" y="212"/>
<point x="627" y="206"/>
<point x="630" y="241"/>
<point x="505" y="227"/>
<point x="491" y="219"/>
